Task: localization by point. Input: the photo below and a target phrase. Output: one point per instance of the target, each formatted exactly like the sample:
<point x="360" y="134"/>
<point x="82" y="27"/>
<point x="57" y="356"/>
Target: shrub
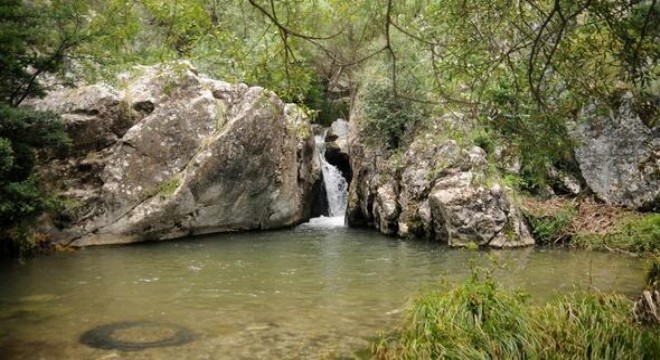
<point x="387" y="116"/>
<point x="322" y="105"/>
<point x="22" y="134"/>
<point x="552" y="229"/>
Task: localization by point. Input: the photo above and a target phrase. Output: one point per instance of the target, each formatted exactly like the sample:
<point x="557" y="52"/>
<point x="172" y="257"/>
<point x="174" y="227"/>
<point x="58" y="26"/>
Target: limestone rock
<point x="95" y="116"/>
<point x="619" y="156"/>
<point x="436" y="189"/>
<point x="202" y="156"/>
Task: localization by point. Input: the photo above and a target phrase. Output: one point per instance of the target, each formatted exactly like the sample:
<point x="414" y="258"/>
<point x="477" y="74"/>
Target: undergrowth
<point x="639" y="234"/>
<point x="477" y="320"/>
<point x="589" y="225"/>
<point x="553" y="229"/>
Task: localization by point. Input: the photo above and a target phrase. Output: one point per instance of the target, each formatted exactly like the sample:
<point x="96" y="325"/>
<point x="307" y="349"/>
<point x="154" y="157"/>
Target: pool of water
<point x="317" y="291"/>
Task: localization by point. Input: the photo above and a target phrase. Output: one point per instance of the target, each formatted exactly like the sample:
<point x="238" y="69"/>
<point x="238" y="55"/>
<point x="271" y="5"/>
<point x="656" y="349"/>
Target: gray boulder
<point x="200" y="156"/>
<point x="95" y="115"/>
<point x="619" y="156"/>
<point x="436" y="189"/>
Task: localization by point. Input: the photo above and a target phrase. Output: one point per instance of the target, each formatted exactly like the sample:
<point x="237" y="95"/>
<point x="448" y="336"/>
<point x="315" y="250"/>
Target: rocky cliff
<point x="171" y="153"/>
<point x="433" y="188"/>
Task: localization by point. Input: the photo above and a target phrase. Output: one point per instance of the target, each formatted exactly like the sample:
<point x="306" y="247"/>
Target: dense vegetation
<point x="28" y="51"/>
<point x="477" y="320"/>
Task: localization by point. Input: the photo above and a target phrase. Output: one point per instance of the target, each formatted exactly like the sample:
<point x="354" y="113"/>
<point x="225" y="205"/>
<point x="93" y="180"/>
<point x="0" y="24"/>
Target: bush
<point x="476" y="320"/>
<point x="552" y="229"/>
<point x="321" y="103"/>
<point x="387" y="116"/>
<point x="23" y="133"/>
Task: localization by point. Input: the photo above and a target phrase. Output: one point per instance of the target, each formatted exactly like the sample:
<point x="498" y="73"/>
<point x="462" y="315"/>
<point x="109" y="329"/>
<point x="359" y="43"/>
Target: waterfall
<point x="336" y="187"/>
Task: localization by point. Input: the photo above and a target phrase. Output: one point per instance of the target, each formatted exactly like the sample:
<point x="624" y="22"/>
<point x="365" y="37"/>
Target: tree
<point x="35" y="39"/>
<point x="27" y="51"/>
<point x="23" y="133"/>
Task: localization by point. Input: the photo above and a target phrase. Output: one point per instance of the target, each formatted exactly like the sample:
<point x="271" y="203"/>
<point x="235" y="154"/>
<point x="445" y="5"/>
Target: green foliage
<point x="653" y="272"/>
<point x="639" y="234"/>
<point x="477" y="320"/>
<point x="386" y="117"/>
<point x="552" y="229"/>
<point x="323" y="105"/>
<point x="36" y="38"/>
<point x="22" y="134"/>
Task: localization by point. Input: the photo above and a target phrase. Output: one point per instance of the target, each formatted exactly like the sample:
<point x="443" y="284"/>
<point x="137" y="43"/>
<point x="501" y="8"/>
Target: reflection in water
<point x="311" y="292"/>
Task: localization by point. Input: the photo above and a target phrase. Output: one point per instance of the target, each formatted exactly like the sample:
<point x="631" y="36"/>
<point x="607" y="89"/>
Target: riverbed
<point x="317" y="291"/>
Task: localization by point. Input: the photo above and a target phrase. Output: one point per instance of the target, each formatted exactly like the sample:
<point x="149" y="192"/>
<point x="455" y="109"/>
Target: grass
<point x="635" y="233"/>
<point x="477" y="320"/>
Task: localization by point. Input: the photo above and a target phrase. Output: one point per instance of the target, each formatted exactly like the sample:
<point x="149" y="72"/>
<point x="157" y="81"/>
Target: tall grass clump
<point x="476" y="320"/>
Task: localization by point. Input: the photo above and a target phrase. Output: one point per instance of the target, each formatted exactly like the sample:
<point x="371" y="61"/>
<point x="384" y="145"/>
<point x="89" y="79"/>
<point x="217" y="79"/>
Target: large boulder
<point x="191" y="155"/>
<point x="434" y="189"/>
<point x="619" y="156"/>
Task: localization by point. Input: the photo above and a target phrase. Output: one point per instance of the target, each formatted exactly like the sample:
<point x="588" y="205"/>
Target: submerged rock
<point x="434" y="189"/>
<point x="195" y="156"/>
<point x="619" y="156"/>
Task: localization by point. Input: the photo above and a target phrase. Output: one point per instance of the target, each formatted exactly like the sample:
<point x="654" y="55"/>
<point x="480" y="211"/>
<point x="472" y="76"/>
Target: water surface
<point x="312" y="292"/>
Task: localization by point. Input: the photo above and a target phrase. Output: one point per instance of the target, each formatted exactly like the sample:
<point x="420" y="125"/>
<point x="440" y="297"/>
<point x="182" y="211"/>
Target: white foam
<point x="324" y="222"/>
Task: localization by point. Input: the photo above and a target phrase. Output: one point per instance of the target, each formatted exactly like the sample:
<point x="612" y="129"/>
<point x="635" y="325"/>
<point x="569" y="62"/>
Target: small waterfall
<point x="336" y="187"/>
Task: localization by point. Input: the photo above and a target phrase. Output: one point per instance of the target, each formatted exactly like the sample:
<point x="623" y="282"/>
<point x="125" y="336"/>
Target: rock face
<point x="336" y="148"/>
<point x="436" y="190"/>
<point x="619" y="156"/>
<point x="176" y="154"/>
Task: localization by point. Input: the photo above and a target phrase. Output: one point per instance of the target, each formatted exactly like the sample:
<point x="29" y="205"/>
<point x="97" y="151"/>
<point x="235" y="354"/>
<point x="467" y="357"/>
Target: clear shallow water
<point x="317" y="291"/>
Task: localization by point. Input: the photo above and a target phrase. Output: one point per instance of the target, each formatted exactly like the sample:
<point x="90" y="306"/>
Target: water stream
<point x="316" y="291"/>
<point x="336" y="186"/>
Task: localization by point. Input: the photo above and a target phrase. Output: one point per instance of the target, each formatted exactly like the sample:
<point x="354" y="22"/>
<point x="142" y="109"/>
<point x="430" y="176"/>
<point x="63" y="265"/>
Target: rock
<point x="336" y="148"/>
<point x="317" y="130"/>
<point x="95" y="116"/>
<point x="508" y="159"/>
<point x="435" y="189"/>
<point x="386" y="211"/>
<point x="202" y="156"/>
<point x="564" y="183"/>
<point x="619" y="156"/>
<point x="338" y="131"/>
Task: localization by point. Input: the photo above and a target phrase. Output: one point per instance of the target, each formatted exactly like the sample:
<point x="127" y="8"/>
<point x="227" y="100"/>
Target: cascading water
<point x="336" y="187"/>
